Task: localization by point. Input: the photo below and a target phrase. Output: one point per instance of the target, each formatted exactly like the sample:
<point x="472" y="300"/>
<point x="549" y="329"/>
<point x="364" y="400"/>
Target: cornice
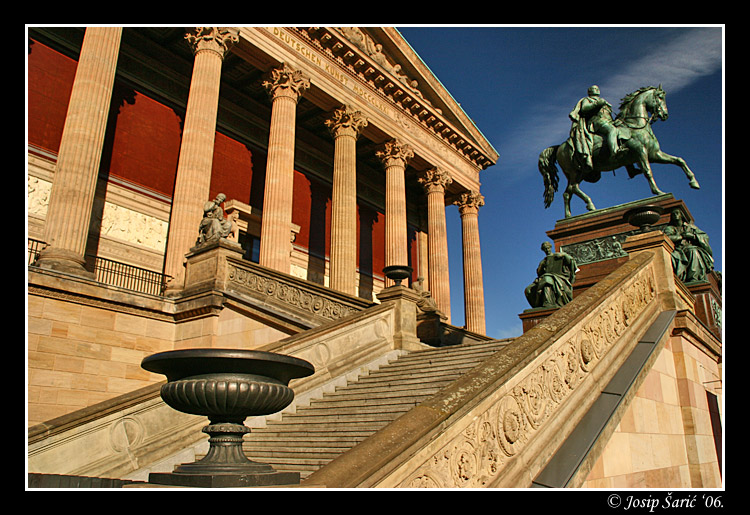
<point x="383" y="71"/>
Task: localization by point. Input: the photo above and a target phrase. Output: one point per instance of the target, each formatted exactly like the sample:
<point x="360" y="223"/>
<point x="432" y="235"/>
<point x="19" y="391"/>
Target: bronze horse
<point x="638" y="111"/>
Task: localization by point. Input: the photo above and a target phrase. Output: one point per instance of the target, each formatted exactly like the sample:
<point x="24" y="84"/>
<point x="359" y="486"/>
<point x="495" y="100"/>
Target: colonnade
<point x="72" y="196"/>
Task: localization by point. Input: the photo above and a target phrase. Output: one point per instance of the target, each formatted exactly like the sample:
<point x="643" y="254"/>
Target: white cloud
<point x="675" y="65"/>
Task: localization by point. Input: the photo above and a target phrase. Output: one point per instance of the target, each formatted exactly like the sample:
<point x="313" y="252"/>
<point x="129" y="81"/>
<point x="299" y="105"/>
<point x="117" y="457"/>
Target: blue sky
<point x="518" y="84"/>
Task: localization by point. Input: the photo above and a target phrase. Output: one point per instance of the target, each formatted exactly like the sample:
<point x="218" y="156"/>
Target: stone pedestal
<point x="595" y="239"/>
<point x="602" y="240"/>
<point x="405" y="318"/>
<point x="206" y="267"/>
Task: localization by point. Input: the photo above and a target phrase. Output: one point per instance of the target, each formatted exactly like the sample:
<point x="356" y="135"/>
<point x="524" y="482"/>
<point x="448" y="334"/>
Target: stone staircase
<point x="316" y="434"/>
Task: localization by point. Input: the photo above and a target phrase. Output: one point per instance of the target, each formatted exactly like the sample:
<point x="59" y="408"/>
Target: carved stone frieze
<point x="598" y="249"/>
<point x="288" y="294"/>
<point x="477" y="455"/>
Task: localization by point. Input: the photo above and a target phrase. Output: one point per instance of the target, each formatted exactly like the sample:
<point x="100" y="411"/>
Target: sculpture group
<point x="598" y="143"/>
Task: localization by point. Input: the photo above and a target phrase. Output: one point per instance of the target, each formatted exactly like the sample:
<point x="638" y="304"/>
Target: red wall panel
<point x="50" y="80"/>
<point x="143" y="139"/>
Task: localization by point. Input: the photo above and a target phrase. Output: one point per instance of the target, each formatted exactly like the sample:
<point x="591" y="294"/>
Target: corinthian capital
<point x="217" y="39"/>
<point x="346" y="121"/>
<point x="434" y="179"/>
<point x="469" y="201"/>
<point x="395" y="152"/>
<point x="285" y="81"/>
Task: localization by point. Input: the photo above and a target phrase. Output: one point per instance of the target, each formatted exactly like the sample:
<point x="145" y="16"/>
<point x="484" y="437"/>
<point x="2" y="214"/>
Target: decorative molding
<point x="477" y="456"/>
<point x="286" y="293"/>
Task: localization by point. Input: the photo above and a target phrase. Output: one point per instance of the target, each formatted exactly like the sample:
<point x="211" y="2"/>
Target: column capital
<point x="434" y="179"/>
<point x="346" y="121"/>
<point x="469" y="201"/>
<point x="287" y="82"/>
<point x="394" y="153"/>
<point x="216" y="39"/>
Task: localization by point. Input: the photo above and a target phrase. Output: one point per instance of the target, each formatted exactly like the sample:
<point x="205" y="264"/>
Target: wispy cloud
<point x="675" y="65"/>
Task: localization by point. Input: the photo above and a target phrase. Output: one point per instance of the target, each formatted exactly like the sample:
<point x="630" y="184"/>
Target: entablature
<point x="358" y="73"/>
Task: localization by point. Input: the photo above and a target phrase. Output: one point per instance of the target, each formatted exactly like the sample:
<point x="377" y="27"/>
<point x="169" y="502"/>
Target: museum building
<point x="332" y="156"/>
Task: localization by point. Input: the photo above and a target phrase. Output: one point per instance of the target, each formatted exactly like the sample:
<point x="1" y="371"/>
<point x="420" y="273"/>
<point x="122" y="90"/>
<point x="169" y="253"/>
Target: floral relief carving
<point x="476" y="457"/>
<point x="288" y="294"/>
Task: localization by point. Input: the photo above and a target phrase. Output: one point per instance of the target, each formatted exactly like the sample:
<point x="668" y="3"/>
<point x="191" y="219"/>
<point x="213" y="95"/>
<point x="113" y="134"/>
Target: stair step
<point x="317" y="433"/>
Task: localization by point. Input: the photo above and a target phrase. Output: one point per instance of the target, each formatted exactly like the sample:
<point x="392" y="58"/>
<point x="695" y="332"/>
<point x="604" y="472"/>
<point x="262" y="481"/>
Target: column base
<point x="65" y="261"/>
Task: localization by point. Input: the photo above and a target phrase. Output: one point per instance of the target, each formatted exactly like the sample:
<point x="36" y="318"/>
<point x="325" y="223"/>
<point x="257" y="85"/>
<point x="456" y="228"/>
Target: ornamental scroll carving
<point x="477" y="455"/>
<point x="288" y="294"/>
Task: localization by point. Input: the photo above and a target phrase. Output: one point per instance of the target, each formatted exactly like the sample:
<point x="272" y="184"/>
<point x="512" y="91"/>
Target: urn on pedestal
<point x="227" y="386"/>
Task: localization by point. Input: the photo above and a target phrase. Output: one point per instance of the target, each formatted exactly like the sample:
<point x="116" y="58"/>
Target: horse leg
<point x="646" y="168"/>
<point x="589" y="204"/>
<point x="566" y="199"/>
<point x="662" y="157"/>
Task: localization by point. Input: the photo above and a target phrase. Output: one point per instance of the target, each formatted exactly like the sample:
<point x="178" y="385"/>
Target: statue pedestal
<point x="533" y="316"/>
<point x="595" y="238"/>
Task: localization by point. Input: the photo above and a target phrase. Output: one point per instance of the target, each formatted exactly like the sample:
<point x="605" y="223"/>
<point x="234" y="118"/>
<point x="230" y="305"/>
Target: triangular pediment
<point x="382" y="57"/>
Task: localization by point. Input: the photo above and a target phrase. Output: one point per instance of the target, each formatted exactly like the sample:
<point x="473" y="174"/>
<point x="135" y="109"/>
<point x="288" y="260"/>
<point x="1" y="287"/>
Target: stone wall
<point x="666" y="438"/>
<point x="83" y="351"/>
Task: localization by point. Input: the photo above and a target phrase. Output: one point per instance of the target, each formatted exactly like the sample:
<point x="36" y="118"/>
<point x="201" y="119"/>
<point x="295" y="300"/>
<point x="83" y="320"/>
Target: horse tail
<point x="548" y="169"/>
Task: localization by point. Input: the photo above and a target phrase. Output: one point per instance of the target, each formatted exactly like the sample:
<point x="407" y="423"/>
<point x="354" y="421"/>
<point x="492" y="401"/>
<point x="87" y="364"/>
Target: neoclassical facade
<point x="337" y="150"/>
<point x="330" y="154"/>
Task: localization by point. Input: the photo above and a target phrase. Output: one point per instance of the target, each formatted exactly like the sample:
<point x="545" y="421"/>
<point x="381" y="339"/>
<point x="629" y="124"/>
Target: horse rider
<point x="592" y="115"/>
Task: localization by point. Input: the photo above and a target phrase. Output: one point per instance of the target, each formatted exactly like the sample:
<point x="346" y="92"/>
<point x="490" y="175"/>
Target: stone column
<point x="468" y="206"/>
<point x="434" y="181"/>
<point x="345" y="125"/>
<point x="394" y="156"/>
<point x="210" y="45"/>
<point x="285" y="86"/>
<point x="74" y="185"/>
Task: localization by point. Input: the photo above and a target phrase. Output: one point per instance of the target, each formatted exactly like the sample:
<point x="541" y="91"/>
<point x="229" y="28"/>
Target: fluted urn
<point x="397" y="273"/>
<point x="227" y="386"/>
<point x="644" y="217"/>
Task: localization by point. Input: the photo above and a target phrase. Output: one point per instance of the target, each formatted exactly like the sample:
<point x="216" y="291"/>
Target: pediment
<point x="383" y="58"/>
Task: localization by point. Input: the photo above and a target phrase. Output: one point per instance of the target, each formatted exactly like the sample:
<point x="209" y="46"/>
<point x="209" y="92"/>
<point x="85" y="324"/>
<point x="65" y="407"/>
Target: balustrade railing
<point x="114" y="273"/>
